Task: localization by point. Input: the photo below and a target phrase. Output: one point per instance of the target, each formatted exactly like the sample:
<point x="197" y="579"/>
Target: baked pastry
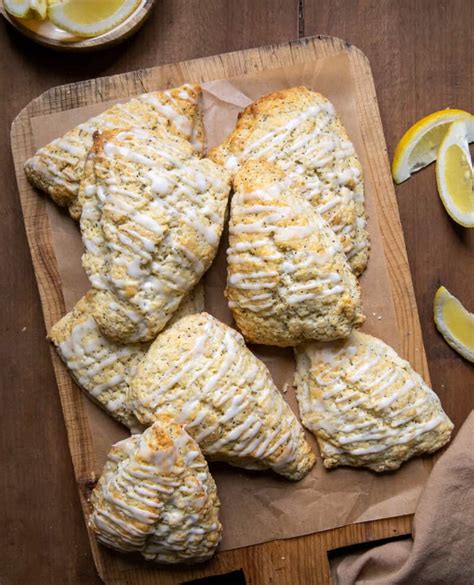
<point x="200" y="372"/>
<point x="101" y="367"/>
<point x="288" y="280"/>
<point x="157" y="497"/>
<point x="366" y="405"/>
<point x="300" y="131"/>
<point x="57" y="168"/>
<point x="152" y="218"/>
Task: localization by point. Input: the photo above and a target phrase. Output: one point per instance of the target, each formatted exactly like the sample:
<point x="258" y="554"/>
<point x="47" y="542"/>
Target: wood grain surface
<point x="421" y="54"/>
<point x="422" y="57"/>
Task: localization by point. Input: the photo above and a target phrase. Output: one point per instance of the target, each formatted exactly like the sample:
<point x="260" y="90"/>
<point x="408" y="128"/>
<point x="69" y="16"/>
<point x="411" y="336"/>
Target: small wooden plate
<point x="45" y="33"/>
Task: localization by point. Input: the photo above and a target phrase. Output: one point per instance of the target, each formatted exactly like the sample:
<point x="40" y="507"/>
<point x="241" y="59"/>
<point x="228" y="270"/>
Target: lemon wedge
<point x="27" y="8"/>
<point x="454" y="323"/>
<point x="419" y="145"/>
<point x="89" y="18"/>
<point x="454" y="175"/>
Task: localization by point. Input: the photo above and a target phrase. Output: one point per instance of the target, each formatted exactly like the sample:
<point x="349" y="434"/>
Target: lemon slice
<point x="454" y="323"/>
<point x="39" y="8"/>
<point x="89" y="18"/>
<point x="419" y="145"/>
<point x="454" y="175"/>
<point x="26" y="8"/>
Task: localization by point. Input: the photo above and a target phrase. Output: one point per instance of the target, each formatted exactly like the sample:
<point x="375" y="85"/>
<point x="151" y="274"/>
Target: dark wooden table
<point x="421" y="52"/>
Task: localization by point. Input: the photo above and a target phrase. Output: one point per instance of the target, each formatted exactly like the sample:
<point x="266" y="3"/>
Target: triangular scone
<point x="57" y="167"/>
<point x="152" y="219"/>
<point x="101" y="367"/>
<point x="288" y="279"/>
<point x="366" y="405"/>
<point x="200" y="372"/>
<point x="157" y="497"/>
<point x="299" y="131"/>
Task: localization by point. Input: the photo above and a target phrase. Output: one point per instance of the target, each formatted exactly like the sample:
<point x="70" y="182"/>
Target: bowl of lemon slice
<point x="76" y="25"/>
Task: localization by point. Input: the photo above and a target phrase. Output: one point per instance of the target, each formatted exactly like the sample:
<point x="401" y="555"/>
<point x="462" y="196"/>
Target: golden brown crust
<point x="200" y="372"/>
<point x="57" y="167"/>
<point x="152" y="217"/>
<point x="287" y="278"/>
<point x="366" y="405"/>
<point x="157" y="497"/>
<point x="101" y="367"/>
<point x="298" y="130"/>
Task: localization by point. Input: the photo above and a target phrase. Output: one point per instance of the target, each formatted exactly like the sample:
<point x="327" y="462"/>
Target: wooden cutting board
<point x="301" y="561"/>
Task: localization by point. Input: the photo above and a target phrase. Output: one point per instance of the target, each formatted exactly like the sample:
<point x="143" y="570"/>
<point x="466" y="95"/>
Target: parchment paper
<point x="259" y="507"/>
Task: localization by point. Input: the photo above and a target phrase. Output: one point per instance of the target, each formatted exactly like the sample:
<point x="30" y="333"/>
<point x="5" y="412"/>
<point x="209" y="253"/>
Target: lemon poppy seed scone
<point x="152" y="218"/>
<point x="192" y="303"/>
<point x="157" y="497"/>
<point x="300" y="131"/>
<point x="200" y="372"/>
<point x="288" y="279"/>
<point x="366" y="405"/>
<point x="57" y="168"/>
<point x="101" y="367"/>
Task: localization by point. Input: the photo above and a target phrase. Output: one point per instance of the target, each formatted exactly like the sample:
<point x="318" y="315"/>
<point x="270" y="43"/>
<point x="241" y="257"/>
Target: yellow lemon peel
<point x="419" y="145"/>
<point x="90" y="18"/>
<point x="454" y="175"/>
<point x="455" y="323"/>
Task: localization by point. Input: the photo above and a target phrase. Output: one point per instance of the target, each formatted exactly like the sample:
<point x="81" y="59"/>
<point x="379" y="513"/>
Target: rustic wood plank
<point x="305" y="558"/>
<point x="422" y="57"/>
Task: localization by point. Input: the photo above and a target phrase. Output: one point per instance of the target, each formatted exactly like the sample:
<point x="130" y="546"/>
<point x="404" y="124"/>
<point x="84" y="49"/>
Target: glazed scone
<point x="193" y="302"/>
<point x="300" y="131"/>
<point x="101" y="367"/>
<point x="200" y="372"/>
<point x="366" y="405"/>
<point x="152" y="218"/>
<point x="157" y="497"/>
<point x="57" y="168"/>
<point x="287" y="278"/>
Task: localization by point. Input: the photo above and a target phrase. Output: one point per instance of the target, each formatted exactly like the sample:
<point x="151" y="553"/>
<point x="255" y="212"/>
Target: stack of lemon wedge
<point x="84" y="18"/>
<point x="444" y="137"/>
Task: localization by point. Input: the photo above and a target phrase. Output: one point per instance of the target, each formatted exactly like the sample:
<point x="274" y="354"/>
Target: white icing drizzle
<point x="180" y="122"/>
<point x="296" y="276"/>
<point x="362" y="399"/>
<point x="99" y="366"/>
<point x="314" y="154"/>
<point x="157" y="500"/>
<point x="172" y="188"/>
<point x="234" y="410"/>
<point x="61" y="162"/>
